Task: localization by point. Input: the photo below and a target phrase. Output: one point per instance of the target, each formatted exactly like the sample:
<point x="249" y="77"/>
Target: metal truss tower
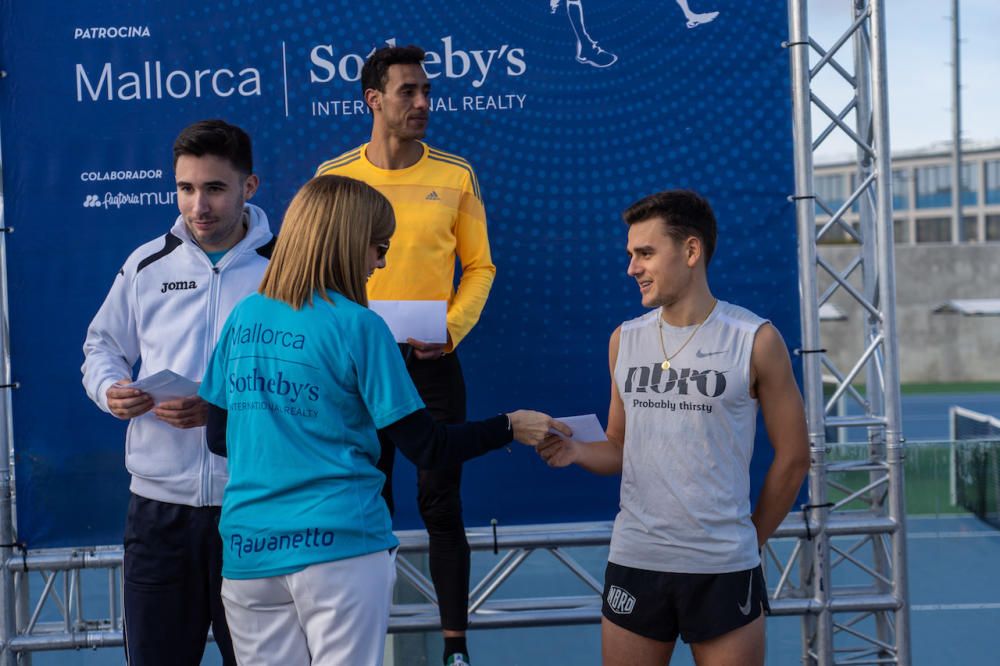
<point x="853" y="559"/>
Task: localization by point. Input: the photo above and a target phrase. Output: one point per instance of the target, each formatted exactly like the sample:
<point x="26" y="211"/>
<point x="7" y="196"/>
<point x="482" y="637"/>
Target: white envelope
<point x="586" y="428"/>
<point x="426" y="321"/>
<point x="166" y="385"/>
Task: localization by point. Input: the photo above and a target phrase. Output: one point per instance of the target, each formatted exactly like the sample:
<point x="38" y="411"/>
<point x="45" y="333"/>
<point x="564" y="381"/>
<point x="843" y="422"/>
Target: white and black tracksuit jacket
<point x="166" y="307"/>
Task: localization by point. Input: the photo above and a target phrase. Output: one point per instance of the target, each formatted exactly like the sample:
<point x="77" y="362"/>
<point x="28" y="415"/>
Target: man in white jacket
<point x="165" y="309"/>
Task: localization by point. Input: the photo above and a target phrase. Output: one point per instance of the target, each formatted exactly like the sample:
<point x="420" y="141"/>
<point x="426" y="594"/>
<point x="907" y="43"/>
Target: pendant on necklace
<point x="665" y="365"/>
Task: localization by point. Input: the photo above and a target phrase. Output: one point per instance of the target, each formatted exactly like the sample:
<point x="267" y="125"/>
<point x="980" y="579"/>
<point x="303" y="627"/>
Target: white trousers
<point x="330" y="614"/>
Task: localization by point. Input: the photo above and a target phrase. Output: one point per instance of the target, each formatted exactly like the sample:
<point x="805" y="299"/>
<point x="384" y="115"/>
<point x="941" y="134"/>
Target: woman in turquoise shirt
<point x="303" y="377"/>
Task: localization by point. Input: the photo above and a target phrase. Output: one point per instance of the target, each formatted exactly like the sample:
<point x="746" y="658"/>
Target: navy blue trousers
<point x="173" y="581"/>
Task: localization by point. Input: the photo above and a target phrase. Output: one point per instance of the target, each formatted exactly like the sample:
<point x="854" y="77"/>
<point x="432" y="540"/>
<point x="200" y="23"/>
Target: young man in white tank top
<point x="686" y="382"/>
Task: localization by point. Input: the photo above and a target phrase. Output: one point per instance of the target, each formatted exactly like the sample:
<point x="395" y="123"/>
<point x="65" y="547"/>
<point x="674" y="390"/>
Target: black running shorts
<point x="660" y="605"/>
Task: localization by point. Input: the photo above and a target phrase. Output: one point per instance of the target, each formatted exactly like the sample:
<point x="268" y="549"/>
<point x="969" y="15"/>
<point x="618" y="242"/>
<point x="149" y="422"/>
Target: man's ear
<point x="250" y="186"/>
<point x="692" y="250"/>
<point x="373" y="98"/>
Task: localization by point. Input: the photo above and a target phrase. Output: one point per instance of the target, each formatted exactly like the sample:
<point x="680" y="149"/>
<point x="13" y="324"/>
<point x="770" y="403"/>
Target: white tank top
<point x="689" y="432"/>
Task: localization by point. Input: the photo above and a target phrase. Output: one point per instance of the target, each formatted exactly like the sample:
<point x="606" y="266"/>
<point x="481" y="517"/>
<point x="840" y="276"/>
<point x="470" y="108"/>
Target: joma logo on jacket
<point x="174" y="286"/>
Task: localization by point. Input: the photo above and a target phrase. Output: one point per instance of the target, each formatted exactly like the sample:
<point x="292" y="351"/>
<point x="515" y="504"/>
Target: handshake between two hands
<point x="555" y="440"/>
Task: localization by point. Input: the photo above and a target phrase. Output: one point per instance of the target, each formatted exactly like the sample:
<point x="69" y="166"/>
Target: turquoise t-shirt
<point x="214" y="257"/>
<point x="305" y="390"/>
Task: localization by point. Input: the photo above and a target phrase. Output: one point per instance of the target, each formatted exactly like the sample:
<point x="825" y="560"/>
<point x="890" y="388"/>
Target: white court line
<point x="944" y="516"/>
<point x="947" y="607"/>
<point x="977" y="534"/>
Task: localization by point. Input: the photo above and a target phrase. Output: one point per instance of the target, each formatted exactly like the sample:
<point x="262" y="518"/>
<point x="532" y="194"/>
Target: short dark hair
<point x="684" y="214"/>
<point x="375" y="72"/>
<point x="219" y="138"/>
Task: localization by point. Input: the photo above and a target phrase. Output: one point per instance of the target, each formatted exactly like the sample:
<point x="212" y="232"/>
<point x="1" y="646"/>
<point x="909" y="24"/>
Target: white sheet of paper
<point x="586" y="428"/>
<point x="166" y="385"/>
<point x="426" y="321"/>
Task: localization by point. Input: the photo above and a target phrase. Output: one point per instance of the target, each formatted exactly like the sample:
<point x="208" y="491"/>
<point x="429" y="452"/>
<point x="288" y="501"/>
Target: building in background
<point x="921" y="189"/>
<point x="940" y="339"/>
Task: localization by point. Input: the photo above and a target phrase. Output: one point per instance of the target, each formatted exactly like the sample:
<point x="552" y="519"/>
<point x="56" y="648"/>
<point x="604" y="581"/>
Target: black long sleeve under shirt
<point x="427" y="443"/>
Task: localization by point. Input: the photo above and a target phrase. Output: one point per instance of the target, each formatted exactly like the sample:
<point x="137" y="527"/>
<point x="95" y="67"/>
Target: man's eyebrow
<point x="211" y="183"/>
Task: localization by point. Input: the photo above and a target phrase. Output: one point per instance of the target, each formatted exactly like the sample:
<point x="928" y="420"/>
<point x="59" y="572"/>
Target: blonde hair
<point x="324" y="241"/>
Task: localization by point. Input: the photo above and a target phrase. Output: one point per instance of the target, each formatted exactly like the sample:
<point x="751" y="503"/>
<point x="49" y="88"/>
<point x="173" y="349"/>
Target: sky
<point x="918" y="42"/>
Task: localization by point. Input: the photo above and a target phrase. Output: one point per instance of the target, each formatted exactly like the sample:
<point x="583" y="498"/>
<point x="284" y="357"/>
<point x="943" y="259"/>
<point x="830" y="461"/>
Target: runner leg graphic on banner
<point x="588" y="52"/>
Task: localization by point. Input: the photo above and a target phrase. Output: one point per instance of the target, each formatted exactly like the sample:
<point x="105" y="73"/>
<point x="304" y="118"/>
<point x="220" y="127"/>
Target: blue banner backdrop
<point x="563" y="135"/>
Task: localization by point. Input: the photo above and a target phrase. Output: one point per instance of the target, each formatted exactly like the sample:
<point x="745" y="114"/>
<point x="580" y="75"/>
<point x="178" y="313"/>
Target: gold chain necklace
<point x="659" y="325"/>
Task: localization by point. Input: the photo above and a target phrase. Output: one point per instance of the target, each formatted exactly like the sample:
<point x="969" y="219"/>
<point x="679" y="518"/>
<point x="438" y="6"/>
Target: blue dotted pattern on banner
<point x="706" y="108"/>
